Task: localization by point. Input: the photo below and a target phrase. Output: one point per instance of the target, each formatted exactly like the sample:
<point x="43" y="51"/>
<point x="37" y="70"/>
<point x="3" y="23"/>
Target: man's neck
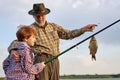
<point x="42" y="25"/>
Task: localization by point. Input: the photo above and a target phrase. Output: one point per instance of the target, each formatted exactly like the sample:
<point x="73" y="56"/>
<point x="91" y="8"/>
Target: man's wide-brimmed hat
<point x="39" y="9"/>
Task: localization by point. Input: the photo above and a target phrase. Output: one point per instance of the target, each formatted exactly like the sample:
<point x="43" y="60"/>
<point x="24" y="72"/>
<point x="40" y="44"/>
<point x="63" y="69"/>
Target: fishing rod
<point x="54" y="57"/>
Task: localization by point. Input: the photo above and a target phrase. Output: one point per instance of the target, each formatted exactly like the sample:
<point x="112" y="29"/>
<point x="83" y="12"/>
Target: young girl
<point x="24" y="69"/>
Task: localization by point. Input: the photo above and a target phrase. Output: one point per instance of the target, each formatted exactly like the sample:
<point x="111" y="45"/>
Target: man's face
<point x="40" y="19"/>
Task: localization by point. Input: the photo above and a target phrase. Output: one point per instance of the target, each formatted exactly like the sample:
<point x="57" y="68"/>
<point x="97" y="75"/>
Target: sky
<point x="71" y="14"/>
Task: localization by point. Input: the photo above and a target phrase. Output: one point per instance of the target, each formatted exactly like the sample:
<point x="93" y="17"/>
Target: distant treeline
<point x="90" y="76"/>
<point x="85" y="76"/>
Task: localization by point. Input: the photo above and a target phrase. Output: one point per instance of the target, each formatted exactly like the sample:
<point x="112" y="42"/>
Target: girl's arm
<point x="27" y="62"/>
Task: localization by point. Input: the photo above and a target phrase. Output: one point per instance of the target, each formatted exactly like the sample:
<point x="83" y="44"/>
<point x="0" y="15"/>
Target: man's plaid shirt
<point x="47" y="40"/>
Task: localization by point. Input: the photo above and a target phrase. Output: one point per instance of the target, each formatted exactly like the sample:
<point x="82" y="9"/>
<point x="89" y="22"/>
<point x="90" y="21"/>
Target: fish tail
<point x="93" y="57"/>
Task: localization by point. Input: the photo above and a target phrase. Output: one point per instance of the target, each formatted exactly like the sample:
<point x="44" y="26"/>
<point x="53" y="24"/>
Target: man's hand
<point x="15" y="55"/>
<point x="89" y="27"/>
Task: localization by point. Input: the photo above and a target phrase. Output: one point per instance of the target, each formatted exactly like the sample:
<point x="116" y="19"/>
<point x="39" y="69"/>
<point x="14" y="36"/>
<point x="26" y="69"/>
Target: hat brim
<point x="32" y="12"/>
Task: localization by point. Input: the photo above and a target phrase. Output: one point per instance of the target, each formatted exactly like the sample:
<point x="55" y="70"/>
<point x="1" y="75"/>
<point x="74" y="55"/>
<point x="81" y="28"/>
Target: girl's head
<point x="26" y="34"/>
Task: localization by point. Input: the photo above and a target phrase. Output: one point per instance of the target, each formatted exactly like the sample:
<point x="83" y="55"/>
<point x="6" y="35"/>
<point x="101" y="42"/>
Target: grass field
<point x="2" y="78"/>
<point x="84" y="76"/>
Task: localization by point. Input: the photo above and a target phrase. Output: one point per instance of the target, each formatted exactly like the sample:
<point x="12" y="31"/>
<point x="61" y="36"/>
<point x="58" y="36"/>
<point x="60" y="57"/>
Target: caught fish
<point x="93" y="46"/>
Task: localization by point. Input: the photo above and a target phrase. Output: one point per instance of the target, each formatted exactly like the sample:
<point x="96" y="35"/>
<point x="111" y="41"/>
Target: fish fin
<point x="90" y="53"/>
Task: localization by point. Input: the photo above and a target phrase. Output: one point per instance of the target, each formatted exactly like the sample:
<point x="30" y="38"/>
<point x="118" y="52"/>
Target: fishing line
<point x="54" y="57"/>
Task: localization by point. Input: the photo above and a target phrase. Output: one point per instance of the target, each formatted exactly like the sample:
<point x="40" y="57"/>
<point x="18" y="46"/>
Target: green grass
<point x="2" y="78"/>
<point x="84" y="76"/>
<point x="89" y="76"/>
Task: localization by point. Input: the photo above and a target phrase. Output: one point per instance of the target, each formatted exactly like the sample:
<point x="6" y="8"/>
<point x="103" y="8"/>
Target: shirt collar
<point x="43" y="25"/>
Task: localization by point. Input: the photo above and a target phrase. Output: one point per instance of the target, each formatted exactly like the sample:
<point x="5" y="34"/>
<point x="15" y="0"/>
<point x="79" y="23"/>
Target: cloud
<point x="76" y="4"/>
<point x="91" y="4"/>
<point x="4" y="54"/>
<point x="81" y="64"/>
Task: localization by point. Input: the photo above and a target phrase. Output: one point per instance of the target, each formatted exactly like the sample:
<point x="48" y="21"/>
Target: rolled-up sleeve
<point x="12" y="45"/>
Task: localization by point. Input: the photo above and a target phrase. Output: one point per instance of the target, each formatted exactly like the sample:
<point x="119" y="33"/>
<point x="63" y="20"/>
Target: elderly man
<point x="47" y="41"/>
